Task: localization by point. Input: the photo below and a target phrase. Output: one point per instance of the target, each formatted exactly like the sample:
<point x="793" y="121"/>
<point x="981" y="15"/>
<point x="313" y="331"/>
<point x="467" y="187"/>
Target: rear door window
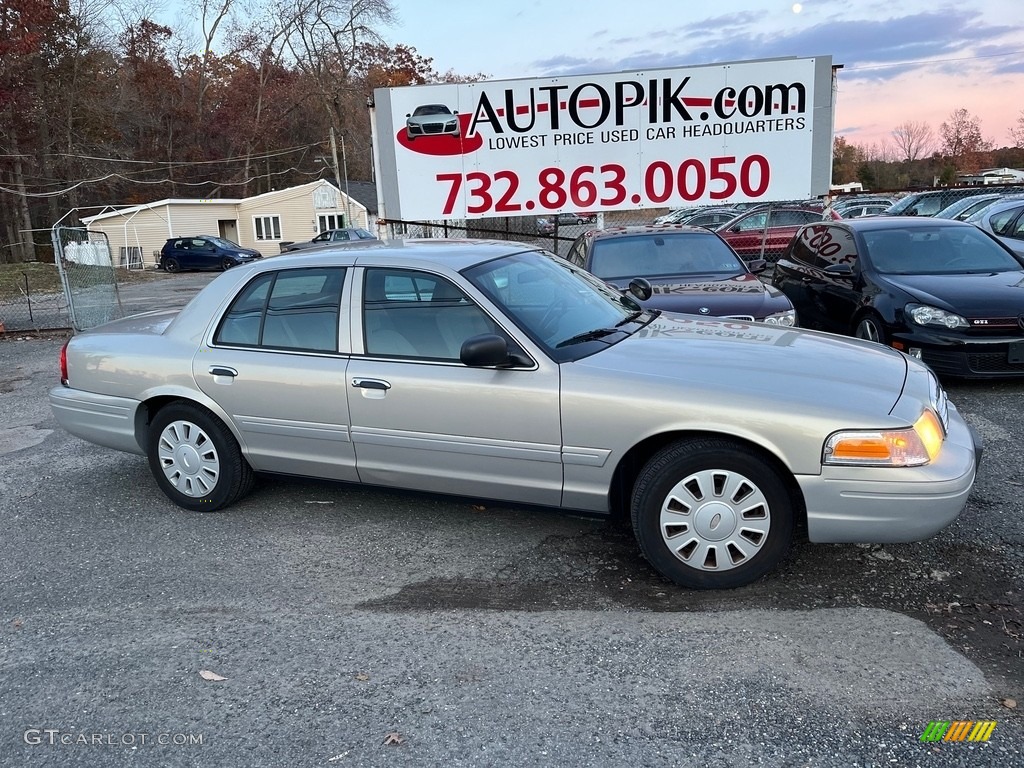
<point x="295" y="309"/>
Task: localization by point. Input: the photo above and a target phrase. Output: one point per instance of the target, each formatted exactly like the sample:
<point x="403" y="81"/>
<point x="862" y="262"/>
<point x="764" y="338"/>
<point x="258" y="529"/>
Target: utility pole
<point x="338" y="176"/>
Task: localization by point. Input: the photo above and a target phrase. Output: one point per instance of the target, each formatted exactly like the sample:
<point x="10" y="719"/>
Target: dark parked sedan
<point x="690" y="270"/>
<point x="939" y="290"/>
<point x="204" y="252"/>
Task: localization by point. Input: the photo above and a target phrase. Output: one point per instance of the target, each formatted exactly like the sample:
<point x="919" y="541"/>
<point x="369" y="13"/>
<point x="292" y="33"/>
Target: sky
<point x="910" y="60"/>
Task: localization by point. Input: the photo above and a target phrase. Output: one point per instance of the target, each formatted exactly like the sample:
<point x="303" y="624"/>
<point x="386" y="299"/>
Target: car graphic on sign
<point x="431" y="120"/>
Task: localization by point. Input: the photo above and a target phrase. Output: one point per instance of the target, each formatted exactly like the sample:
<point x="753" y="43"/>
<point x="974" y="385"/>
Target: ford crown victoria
<point x="499" y="371"/>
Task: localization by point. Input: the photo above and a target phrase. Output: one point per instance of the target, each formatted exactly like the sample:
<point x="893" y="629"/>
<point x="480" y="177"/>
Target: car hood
<point x="993" y="294"/>
<point x="739" y="295"/>
<point x="751" y="360"/>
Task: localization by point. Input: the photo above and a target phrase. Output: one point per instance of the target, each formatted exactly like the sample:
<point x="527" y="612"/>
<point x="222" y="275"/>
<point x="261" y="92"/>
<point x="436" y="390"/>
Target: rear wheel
<point x="171" y="264"/>
<point x="195" y="459"/>
<point x="711" y="514"/>
<point x="870" y="328"/>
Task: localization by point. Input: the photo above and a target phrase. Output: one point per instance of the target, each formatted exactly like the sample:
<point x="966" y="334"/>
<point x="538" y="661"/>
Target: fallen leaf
<point x="362" y="676"/>
<point x="393" y="738"/>
<point x="1010" y="703"/>
<point x="479" y="508"/>
<point x="212" y="676"/>
<point x="16" y="623"/>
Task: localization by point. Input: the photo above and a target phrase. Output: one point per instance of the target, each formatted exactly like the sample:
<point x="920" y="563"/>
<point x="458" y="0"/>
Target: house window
<point x="328" y="221"/>
<point x="267" y="227"/>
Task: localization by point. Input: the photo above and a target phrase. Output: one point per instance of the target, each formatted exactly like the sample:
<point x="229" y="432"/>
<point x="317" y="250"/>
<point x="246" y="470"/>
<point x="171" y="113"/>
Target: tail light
<point x="64" y="363"/>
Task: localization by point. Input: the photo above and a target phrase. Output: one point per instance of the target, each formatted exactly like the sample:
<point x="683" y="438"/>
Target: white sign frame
<point x="716" y="134"/>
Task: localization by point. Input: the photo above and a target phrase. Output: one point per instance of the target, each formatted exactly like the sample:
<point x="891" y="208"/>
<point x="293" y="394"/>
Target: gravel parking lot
<point x="365" y="627"/>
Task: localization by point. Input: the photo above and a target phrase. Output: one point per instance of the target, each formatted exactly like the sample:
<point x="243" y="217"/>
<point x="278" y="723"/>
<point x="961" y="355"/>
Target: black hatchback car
<point x="940" y="290"/>
<point x="204" y="252"/>
<point x="690" y="269"/>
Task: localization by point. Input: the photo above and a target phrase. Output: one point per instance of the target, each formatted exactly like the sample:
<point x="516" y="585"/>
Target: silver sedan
<point x="495" y="370"/>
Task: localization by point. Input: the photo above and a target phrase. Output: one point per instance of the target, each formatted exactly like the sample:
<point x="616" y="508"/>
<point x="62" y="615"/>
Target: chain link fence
<point x="757" y="231"/>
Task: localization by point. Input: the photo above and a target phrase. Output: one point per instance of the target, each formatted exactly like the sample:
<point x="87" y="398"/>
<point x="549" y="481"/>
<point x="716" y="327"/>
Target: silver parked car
<point x="496" y="370"/>
<point x="329" y="237"/>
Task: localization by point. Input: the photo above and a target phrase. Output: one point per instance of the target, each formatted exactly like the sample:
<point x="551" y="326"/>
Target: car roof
<point x="875" y="223"/>
<point x="644" y="229"/>
<point x="454" y="254"/>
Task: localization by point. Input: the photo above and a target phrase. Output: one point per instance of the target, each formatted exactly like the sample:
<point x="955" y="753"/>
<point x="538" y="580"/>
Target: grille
<point x="992" y="362"/>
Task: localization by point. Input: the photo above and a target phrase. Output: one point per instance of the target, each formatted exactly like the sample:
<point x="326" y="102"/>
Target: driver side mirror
<point x="640" y="288"/>
<point x="489" y="349"/>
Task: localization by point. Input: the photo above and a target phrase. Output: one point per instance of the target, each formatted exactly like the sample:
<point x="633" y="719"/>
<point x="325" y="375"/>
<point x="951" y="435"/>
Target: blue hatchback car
<point x="204" y="252"/>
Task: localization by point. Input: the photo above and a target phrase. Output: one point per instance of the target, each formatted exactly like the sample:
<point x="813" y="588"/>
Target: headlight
<point x="782" y="318"/>
<point x="922" y="314"/>
<point x="911" y="447"/>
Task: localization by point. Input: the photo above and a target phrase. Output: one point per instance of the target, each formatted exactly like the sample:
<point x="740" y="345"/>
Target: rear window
<point x="293" y="309"/>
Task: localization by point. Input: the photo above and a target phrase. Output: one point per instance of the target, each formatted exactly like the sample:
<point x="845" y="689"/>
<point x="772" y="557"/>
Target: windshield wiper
<point x="597" y="333"/>
<point x="631" y="317"/>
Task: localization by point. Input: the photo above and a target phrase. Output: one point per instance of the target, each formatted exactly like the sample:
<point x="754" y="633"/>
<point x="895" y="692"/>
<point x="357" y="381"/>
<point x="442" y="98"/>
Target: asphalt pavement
<point x="365" y="627"/>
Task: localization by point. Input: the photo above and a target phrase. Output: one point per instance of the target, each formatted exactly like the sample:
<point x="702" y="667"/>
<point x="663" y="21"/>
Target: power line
<point x="76" y="185"/>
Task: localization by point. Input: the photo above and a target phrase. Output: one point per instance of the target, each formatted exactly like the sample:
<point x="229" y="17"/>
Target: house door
<point x="228" y="229"/>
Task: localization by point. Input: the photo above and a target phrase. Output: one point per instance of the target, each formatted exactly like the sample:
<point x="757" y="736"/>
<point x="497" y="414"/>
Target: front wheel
<point x="870" y="328"/>
<point x="711" y="514"/>
<point x="226" y="264"/>
<point x="195" y="459"/>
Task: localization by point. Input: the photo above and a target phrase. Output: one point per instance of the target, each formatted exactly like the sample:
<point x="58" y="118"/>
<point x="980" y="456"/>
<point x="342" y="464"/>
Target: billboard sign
<point x="723" y="133"/>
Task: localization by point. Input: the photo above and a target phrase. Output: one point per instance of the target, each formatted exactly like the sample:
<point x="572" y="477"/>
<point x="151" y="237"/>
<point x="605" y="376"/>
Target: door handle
<point x="371" y="384"/>
<point x="222" y="370"/>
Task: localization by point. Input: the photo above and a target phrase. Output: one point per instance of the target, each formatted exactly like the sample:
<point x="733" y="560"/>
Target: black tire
<point x="171" y="264"/>
<point x="691" y="489"/>
<point x="870" y="328"/>
<point x="195" y="459"/>
<point x="225" y="264"/>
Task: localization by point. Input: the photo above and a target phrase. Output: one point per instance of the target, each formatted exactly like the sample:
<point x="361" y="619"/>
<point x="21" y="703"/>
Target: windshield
<point x="661" y="255"/>
<point x="901" y="205"/>
<point x="556" y="303"/>
<point x="220" y="241"/>
<point x="938" y="250"/>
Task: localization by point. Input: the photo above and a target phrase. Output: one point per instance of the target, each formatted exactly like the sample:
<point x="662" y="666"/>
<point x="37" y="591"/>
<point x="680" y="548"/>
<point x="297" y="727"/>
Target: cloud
<point x="869" y="49"/>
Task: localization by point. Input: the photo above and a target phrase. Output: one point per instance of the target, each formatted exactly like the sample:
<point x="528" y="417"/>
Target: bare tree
<point x="961" y="137"/>
<point x="913" y="139"/>
<point x="1017" y="132"/>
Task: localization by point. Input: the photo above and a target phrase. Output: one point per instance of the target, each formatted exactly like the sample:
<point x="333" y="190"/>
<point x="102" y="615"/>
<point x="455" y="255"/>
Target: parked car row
<point x="208" y="252"/>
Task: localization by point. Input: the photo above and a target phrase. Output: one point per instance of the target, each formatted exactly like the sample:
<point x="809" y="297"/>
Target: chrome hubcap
<point x="715" y="520"/>
<point x="189" y="459"/>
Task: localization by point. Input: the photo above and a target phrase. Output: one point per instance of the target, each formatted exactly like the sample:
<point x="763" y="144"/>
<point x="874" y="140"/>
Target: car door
<point x="1011" y="233"/>
<point x="422" y="419"/>
<point x="795" y="273"/>
<point x="835" y="297"/>
<point x="273" y="365"/>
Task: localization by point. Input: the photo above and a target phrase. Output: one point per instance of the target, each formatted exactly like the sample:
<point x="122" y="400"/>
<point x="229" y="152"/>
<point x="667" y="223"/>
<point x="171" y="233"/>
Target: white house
<point x="987" y="176"/>
<point x="136" y="233"/>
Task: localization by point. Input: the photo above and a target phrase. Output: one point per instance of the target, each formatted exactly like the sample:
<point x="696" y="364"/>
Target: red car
<point x="764" y="233"/>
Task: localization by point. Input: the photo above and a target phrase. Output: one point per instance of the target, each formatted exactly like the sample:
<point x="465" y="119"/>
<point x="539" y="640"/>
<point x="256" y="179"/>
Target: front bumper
<point x="966" y="357"/>
<point x="100" y="419"/>
<point x="883" y="505"/>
